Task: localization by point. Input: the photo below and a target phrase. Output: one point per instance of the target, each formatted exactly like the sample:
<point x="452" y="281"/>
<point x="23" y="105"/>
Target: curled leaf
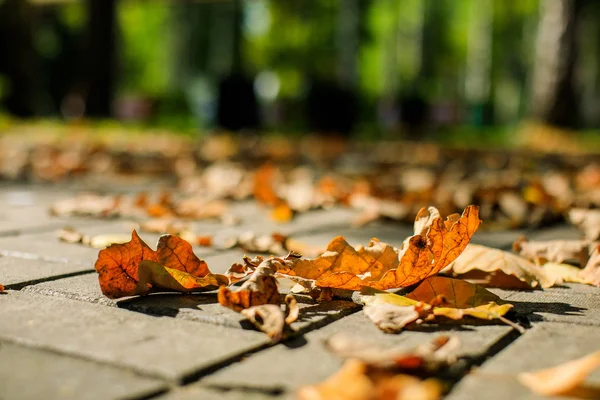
<point x="156" y="275"/>
<point x="563" y="378"/>
<point x="498" y="269"/>
<point x="436" y="243"/>
<point x="117" y="266"/>
<point x="268" y="318"/>
<point x="259" y="289"/>
<point x="591" y="271"/>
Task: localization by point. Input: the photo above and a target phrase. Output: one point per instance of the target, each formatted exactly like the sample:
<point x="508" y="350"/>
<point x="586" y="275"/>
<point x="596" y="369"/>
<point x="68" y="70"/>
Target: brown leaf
<point x="557" y="251"/>
<point x="176" y="253"/>
<point x="173" y="266"/>
<point x="562" y="379"/>
<point x="498" y="269"/>
<point x="381" y="266"/>
<point x="268" y="318"/>
<point x="588" y="222"/>
<point x="2" y="289"/>
<point x="259" y="289"/>
<point x="164" y="225"/>
<point x="357" y="380"/>
<point x="117" y="266"/>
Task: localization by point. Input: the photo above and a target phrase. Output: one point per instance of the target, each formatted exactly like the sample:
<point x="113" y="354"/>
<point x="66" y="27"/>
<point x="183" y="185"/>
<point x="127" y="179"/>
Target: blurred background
<point x="376" y="68"/>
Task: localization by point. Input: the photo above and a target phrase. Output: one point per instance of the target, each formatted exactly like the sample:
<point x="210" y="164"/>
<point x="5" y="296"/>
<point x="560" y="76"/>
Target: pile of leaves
<point x="390" y="179"/>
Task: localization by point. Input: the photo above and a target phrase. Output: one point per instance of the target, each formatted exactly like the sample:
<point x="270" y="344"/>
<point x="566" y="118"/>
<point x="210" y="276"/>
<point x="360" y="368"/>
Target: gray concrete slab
<point x="164" y="347"/>
<point x="193" y="307"/>
<point x="544" y="346"/>
<point x="28" y="373"/>
<point x="198" y="392"/>
<point x="20" y="271"/>
<point x="304" y="360"/>
<point x="556" y="305"/>
<point x="47" y="246"/>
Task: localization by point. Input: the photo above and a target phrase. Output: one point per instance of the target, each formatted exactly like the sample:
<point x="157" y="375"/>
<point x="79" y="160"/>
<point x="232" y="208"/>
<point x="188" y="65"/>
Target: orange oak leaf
<point x="133" y="268"/>
<point x="436" y="243"/>
<point x="1" y="289"/>
<point x="263" y="185"/>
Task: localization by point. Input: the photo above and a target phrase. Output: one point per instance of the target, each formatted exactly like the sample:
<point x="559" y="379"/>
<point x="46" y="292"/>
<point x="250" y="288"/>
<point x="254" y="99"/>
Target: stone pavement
<point x="60" y="338"/>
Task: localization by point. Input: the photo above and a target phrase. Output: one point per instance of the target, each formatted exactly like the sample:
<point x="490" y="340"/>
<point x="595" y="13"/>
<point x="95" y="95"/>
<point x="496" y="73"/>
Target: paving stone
<point x="28" y="373"/>
<point x="193" y="307"/>
<point x="25" y="208"/>
<point x="556" y="306"/>
<point x="544" y="346"/>
<point x="557" y="232"/>
<point x="198" y="392"/>
<point x="47" y="246"/>
<point x="18" y="271"/>
<point x="163" y="347"/>
<point x="304" y="360"/>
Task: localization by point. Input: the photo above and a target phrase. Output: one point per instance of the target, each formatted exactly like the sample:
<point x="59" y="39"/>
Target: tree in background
<point x="554" y="99"/>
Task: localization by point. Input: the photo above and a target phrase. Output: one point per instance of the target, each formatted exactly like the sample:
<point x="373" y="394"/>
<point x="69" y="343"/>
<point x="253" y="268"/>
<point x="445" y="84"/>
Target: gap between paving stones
<point x="21" y="285"/>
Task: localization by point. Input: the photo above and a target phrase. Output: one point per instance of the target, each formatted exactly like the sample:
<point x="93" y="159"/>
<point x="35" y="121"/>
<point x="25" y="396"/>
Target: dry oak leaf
<point x="564" y="379"/>
<point x="588" y="222"/>
<point x="496" y="268"/>
<point x="119" y="268"/>
<point x="562" y="273"/>
<point x="357" y="380"/>
<point x="436" y="243"/>
<point x="435" y="297"/>
<point x="1" y="288"/>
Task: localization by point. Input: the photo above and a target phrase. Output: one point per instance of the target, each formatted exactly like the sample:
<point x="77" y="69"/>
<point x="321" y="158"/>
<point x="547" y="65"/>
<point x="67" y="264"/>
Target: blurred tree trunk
<point x="100" y="57"/>
<point x="554" y="100"/>
<point x="17" y="56"/>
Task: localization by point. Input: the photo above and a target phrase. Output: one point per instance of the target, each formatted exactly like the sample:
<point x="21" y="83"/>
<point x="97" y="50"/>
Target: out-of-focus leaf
<point x="499" y="268"/>
<point x="557" y="251"/>
<point x="563" y="378"/>
<point x="588" y="222"/>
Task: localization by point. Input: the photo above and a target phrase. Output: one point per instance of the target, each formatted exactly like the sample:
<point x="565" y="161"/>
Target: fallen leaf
<point x="436" y="243"/>
<point x="173" y="266"/>
<point x="435" y="297"/>
<point x="562" y="273"/>
<point x="164" y="225"/>
<point x="282" y="213"/>
<point x="69" y="234"/>
<point x="102" y="241"/>
<point x="86" y="204"/>
<point x="557" y="251"/>
<point x="156" y="275"/>
<point x="430" y="356"/>
<point x="357" y="380"/>
<point x="269" y="318"/>
<point x="2" y="289"/>
<point x="588" y="222"/>
<point x="264" y="180"/>
<point x="259" y="289"/>
<point x="499" y="269"/>
<point x="563" y="378"/>
<point x="591" y="271"/>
